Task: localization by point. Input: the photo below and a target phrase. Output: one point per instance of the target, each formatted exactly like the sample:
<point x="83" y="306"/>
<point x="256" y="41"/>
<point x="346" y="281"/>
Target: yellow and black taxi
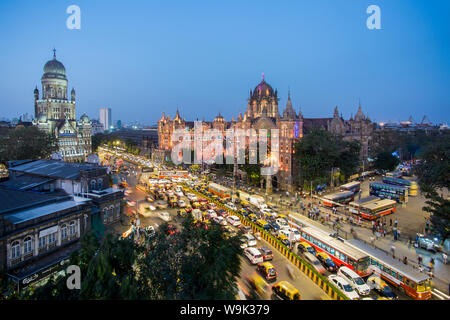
<point x="252" y="217"/>
<point x="182" y="212"/>
<point x="326" y="261"/>
<point x="284" y="239"/>
<point x="305" y="247"/>
<point x="267" y="270"/>
<point x="283" y="290"/>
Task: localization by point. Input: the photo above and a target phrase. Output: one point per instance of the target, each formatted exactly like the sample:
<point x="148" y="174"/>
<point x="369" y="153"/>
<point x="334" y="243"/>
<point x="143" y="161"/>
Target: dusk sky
<point x="141" y="58"/>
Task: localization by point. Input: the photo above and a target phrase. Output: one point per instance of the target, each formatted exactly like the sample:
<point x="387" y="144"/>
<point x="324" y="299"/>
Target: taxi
<point x="305" y="247"/>
<point x="188" y="209"/>
<point x="262" y="223"/>
<point x="182" y="212"/>
<point x="283" y="290"/>
<point x="283" y="239"/>
<point x="243" y="212"/>
<point x="258" y="286"/>
<point x="375" y="282"/>
<point x="253" y="217"/>
<point x="282" y="216"/>
<point x="196" y="205"/>
<point x="267" y="270"/>
<point x="326" y="261"/>
<point x="245" y="203"/>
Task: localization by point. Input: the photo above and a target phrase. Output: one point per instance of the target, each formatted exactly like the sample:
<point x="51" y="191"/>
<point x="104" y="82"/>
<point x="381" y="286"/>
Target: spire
<point x="240" y="117"/>
<point x="262" y="76"/>
<point x="54" y="53"/>
<point x="300" y="115"/>
<point x="359" y="115"/>
<point x="336" y="112"/>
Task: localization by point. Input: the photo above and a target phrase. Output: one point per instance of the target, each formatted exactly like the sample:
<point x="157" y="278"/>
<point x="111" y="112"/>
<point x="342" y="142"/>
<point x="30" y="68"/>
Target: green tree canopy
<point x="385" y="161"/>
<point x="26" y="143"/>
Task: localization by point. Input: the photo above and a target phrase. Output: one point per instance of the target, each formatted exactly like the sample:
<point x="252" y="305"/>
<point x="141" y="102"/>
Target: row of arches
<point x="111" y="215"/>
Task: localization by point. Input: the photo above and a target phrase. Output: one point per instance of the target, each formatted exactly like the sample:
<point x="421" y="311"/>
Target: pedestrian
<point x="393" y="251"/>
<point x="405" y="260"/>
<point x="419" y="260"/>
<point x="372" y="240"/>
<point x="390" y="222"/>
<point x="420" y="268"/>
<point x="396" y="223"/>
<point x="444" y="257"/>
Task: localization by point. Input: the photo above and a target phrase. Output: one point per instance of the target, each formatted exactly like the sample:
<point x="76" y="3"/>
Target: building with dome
<point x="55" y="113"/>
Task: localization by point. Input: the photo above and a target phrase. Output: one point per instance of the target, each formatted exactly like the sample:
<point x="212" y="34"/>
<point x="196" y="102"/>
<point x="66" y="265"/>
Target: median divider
<point x="321" y="281"/>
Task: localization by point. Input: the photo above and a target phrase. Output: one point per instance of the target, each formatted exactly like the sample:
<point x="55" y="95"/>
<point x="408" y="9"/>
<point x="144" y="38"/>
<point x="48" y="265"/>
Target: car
<point x="326" y="261"/>
<point x="164" y="215"/>
<point x="252" y="217"/>
<point x="245" y="229"/>
<point x="267" y="270"/>
<point x="266" y="253"/>
<point x="377" y="284"/>
<point x="161" y="204"/>
<point x="181" y="203"/>
<point x="131" y="203"/>
<point x="234" y="221"/>
<point x="304" y="247"/>
<point x="229" y="231"/>
<point x="253" y="255"/>
<point x="315" y="262"/>
<point x="149" y="199"/>
<point x="354" y="280"/>
<point x="222" y="213"/>
<point x="282" y="222"/>
<point x="192" y="196"/>
<point x="231" y="205"/>
<point x="344" y="286"/>
<point x="211" y="213"/>
<point x="251" y="241"/>
<point x="428" y="244"/>
<point x="283" y="290"/>
<point x="284" y="239"/>
<point x="244" y="243"/>
<point x="292" y="232"/>
<point x="274" y="226"/>
<point x="220" y="220"/>
<point x="151" y="208"/>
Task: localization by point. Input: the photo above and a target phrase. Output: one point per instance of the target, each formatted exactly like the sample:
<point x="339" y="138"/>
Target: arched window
<point x="15" y="250"/>
<point x="93" y="185"/>
<point x="27" y="245"/>
<point x="111" y="213"/>
<point x="52" y="92"/>
<point x="105" y="215"/>
<point x="100" y="184"/>
<point x="117" y="211"/>
<point x="59" y="93"/>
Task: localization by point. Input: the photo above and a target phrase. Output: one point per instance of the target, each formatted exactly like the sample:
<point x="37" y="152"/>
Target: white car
<point x="220" y="220"/>
<point x="181" y="203"/>
<point x="282" y="222"/>
<point x="152" y="208"/>
<point x="251" y="241"/>
<point x="234" y="221"/>
<point x="231" y="206"/>
<point x="212" y="213"/>
<point x="164" y="215"/>
<point x="343" y="285"/>
<point x="354" y="280"/>
<point x="289" y="230"/>
<point x="179" y="194"/>
<point x="254" y="255"/>
<point x="192" y="196"/>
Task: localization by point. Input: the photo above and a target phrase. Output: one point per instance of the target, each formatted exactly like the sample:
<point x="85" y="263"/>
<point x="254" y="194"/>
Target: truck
<point x="258" y="202"/>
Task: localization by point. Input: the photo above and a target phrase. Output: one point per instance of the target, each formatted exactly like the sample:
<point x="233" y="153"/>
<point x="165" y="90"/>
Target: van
<point x="285" y="291"/>
<point x="253" y="255"/>
<point x="264" y="224"/>
<point x="354" y="280"/>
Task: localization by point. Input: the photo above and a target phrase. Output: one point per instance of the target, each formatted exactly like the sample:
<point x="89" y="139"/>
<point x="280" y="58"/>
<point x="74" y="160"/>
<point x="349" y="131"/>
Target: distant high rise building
<point x="105" y="118"/>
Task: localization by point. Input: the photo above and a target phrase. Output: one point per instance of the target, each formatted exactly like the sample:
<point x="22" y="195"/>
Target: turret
<point x="72" y="94"/>
<point x="36" y="94"/>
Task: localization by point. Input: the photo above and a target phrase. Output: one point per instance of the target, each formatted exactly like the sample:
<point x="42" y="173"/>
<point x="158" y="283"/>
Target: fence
<point x="304" y="266"/>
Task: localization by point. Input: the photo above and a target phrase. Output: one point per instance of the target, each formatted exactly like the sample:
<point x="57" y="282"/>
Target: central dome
<point x="263" y="89"/>
<point x="54" y="69"/>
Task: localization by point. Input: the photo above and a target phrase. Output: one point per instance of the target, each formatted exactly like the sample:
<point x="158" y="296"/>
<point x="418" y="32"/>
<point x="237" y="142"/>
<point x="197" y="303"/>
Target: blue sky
<point x="144" y="57"/>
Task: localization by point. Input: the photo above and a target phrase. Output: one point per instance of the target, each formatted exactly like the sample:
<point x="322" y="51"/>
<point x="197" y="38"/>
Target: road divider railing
<point x="299" y="262"/>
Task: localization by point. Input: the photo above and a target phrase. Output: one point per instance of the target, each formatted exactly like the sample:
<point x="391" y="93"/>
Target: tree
<point x="320" y="151"/>
<point x="385" y="160"/>
<point x="27" y="143"/>
<point x="434" y="175"/>
<point x="192" y="264"/>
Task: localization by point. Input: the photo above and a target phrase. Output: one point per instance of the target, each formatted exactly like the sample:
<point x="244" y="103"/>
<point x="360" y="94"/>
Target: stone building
<point x="55" y="113"/>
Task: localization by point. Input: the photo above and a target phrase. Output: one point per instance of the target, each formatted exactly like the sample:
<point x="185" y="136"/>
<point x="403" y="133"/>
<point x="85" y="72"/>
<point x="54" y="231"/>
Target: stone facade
<point x="55" y="113"/>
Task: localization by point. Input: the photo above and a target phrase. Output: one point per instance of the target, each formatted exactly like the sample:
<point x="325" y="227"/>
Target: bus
<point x="376" y="209"/>
<point x="388" y="191"/>
<point x="354" y="206"/>
<point x="354" y="187"/>
<point x="411" y="185"/>
<point x="404" y="277"/>
<point x="334" y="199"/>
<point x="341" y="253"/>
<point x="220" y="190"/>
<point x="394" y="174"/>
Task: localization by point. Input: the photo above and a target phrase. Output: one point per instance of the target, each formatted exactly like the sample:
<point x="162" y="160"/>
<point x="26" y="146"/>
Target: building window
<point x="93" y="185"/>
<point x="15" y="250"/>
<point x="52" y="238"/>
<point x="63" y="232"/>
<point x="42" y="242"/>
<point x="72" y="228"/>
<point x="105" y="215"/>
<point x="100" y="184"/>
<point x="27" y="245"/>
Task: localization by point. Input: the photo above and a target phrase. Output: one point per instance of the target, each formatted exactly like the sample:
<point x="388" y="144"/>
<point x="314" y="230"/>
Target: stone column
<point x="58" y="236"/>
<point x="36" y="244"/>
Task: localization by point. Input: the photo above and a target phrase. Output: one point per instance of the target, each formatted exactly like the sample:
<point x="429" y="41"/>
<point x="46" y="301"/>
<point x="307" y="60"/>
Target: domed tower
<point x="263" y="96"/>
